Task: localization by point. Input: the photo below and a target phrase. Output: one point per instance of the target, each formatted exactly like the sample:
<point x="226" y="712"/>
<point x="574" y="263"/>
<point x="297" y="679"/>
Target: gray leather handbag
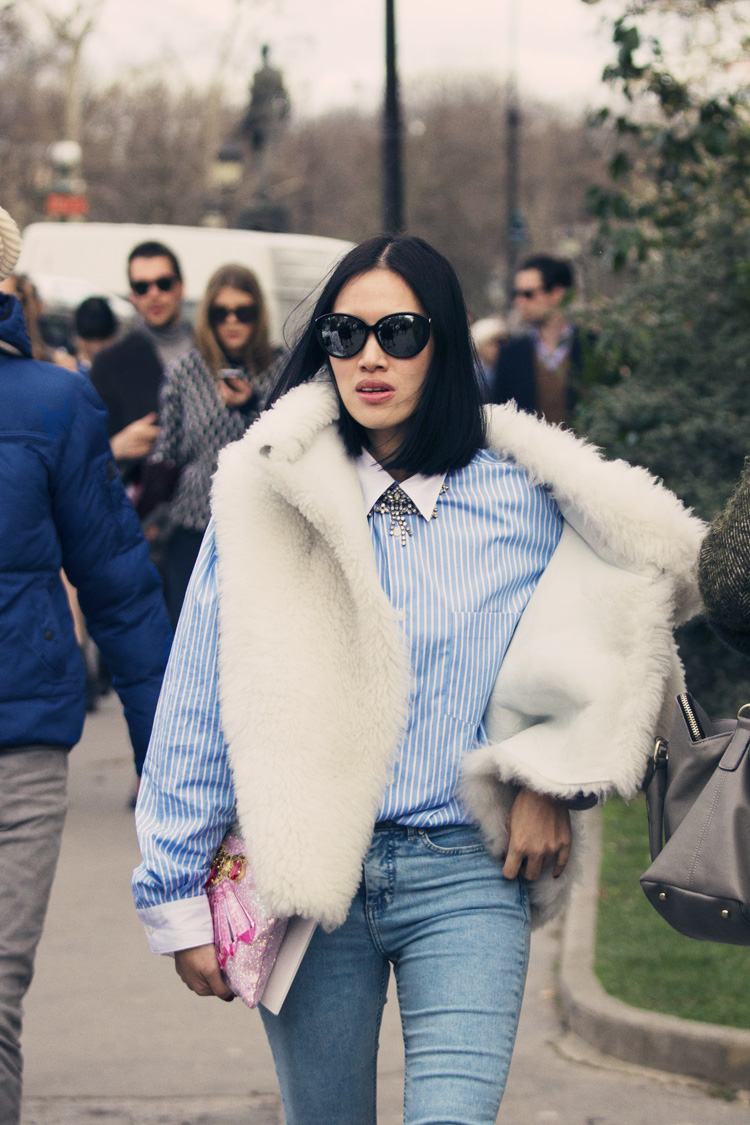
<point x="698" y="801"/>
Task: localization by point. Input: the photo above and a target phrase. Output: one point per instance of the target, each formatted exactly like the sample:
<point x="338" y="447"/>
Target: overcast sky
<point x="331" y="51"/>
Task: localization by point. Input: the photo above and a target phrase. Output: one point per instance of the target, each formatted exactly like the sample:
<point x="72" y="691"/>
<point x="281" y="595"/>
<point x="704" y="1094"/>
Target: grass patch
<point x="642" y="960"/>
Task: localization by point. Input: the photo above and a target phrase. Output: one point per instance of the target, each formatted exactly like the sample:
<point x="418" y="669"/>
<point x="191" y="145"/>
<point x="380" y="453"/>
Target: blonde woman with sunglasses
<point x="420" y="637"/>
<point x="208" y="398"/>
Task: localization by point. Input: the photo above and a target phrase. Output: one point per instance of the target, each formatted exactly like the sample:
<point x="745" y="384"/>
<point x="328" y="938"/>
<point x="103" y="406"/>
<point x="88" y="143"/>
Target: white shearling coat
<point x="314" y="676"/>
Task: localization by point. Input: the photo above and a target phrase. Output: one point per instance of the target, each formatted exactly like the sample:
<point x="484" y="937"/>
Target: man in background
<point x="541" y="370"/>
<point x="128" y="375"/>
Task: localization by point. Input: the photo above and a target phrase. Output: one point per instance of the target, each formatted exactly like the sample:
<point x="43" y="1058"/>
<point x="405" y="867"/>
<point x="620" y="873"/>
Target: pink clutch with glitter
<point x="247" y="936"/>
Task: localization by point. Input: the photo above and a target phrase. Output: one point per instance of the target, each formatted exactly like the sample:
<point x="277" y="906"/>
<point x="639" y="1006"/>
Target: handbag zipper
<point x="685" y="701"/>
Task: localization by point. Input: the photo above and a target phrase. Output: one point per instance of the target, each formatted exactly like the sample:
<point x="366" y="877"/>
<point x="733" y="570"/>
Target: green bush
<point x="671" y="391"/>
<point x="669" y="379"/>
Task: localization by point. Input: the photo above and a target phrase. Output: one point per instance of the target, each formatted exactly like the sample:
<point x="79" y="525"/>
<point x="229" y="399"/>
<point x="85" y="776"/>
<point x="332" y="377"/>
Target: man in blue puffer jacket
<point x="62" y="506"/>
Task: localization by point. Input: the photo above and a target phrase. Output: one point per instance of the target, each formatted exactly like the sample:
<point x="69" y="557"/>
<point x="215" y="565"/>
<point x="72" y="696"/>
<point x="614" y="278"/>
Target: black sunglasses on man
<point x="164" y="284"/>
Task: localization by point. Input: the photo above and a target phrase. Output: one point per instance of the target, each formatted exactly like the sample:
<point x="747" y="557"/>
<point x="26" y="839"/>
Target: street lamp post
<point x="514" y="221"/>
<point x="67" y="200"/>
<point x="393" y="202"/>
<point x="225" y="174"/>
<point x="515" y="227"/>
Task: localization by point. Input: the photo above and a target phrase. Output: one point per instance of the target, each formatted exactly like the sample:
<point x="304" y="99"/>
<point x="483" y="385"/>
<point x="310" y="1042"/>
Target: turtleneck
<point x="170" y="340"/>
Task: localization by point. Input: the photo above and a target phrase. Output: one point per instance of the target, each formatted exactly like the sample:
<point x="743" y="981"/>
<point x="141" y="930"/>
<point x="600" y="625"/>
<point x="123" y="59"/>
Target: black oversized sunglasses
<point x="401" y="335"/>
<point x="246" y="314"/>
<point x="162" y="283"/>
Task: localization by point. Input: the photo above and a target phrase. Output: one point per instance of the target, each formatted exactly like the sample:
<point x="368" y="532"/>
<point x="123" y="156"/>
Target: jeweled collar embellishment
<point x="395" y="503"/>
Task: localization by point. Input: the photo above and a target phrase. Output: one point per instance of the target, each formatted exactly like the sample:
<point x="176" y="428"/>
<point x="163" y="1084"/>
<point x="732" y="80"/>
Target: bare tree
<point x="145" y="153"/>
<point x="455" y="180"/>
<point x="31" y="110"/>
<point x="69" y="33"/>
<point x="147" y="148"/>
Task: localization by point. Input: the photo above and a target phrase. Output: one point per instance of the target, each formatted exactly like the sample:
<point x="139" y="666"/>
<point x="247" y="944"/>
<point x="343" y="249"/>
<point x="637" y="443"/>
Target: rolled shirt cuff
<point x="181" y="924"/>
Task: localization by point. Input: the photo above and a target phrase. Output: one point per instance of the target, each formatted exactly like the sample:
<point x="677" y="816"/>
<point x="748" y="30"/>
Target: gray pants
<point x="32" y="814"/>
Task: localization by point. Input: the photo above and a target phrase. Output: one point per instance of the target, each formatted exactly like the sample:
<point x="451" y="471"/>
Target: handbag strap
<point x="657" y="786"/>
<point x="734" y="752"/>
<point x="655" y="792"/>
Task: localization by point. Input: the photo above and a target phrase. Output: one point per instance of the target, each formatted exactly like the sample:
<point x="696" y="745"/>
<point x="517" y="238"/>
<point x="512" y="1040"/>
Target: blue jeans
<point x="435" y="905"/>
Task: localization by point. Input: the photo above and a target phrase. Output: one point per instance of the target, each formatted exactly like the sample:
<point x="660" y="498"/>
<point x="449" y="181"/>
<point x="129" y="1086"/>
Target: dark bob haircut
<point x="447" y="427"/>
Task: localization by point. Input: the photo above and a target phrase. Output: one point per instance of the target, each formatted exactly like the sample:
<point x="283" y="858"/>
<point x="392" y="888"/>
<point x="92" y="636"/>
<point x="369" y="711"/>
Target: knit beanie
<point x="10" y="244"/>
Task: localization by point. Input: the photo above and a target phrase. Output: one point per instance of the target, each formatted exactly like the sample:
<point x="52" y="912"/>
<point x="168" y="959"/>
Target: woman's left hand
<point x="538" y="836"/>
<point x="234" y="392"/>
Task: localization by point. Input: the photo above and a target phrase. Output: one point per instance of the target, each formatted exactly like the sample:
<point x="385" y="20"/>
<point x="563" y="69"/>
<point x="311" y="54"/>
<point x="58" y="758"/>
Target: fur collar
<point x="624" y="513"/>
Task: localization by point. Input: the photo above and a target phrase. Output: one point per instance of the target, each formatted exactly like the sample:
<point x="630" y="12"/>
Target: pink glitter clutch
<point x="246" y="935"/>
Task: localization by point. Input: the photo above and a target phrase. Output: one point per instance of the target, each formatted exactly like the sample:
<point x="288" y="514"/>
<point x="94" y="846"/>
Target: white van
<point x="86" y="259"/>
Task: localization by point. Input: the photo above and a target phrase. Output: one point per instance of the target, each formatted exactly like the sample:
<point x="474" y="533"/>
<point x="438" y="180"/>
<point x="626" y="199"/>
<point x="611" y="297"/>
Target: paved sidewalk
<point x="111" y="1035"/>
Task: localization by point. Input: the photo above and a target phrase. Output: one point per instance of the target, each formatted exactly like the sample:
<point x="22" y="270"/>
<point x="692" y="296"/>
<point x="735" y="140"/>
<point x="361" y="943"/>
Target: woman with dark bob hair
<point x="208" y="398"/>
<point x="419" y="639"/>
<point x="428" y="446"/>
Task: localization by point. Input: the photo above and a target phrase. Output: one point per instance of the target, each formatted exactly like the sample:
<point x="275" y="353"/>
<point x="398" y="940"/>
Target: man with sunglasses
<point x="156" y="291"/>
<point x="128" y="374"/>
<point x="540" y="370"/>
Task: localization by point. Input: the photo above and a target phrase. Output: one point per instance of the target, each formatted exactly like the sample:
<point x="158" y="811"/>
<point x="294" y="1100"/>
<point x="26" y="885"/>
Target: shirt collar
<point x="565" y="335"/>
<point x="564" y="342"/>
<point x="374" y="480"/>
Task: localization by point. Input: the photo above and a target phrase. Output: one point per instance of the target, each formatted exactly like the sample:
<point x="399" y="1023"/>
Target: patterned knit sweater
<point x="194" y="426"/>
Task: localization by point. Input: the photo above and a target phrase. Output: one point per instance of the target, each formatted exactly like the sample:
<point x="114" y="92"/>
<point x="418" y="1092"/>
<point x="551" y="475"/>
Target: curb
<point x="720" y="1055"/>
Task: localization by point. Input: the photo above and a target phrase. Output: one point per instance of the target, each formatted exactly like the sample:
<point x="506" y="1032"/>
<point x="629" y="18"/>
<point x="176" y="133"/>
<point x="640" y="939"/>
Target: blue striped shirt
<point x="458" y="587"/>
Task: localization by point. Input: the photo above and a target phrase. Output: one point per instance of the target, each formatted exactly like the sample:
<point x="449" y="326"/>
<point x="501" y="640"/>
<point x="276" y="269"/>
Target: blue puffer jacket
<point x="62" y="506"/>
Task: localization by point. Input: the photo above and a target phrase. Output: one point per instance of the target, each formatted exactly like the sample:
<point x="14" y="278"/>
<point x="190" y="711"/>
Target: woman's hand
<point x="136" y="439"/>
<point x="538" y="836"/>
<point x="200" y="971"/>
<point x="234" y="392"/>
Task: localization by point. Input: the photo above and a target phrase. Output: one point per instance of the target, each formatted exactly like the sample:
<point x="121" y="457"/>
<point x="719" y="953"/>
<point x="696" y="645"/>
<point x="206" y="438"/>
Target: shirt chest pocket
<point x="477" y="645"/>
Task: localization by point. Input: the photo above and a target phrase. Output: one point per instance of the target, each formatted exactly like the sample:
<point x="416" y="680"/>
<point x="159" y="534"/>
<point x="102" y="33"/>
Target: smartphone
<point x="234" y="373"/>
